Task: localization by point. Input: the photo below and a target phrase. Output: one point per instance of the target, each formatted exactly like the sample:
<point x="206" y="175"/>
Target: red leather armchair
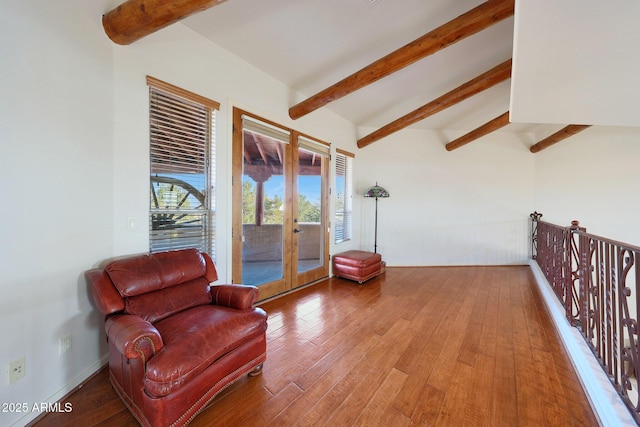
<point x="175" y="341"/>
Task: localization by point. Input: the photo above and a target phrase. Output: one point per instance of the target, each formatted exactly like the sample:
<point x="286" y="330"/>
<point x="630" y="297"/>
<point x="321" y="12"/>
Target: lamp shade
<point x="377" y="192"/>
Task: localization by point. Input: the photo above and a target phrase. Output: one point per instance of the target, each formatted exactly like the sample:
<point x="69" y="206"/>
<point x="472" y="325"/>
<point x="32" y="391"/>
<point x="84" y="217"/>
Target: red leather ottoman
<point x="357" y="265"/>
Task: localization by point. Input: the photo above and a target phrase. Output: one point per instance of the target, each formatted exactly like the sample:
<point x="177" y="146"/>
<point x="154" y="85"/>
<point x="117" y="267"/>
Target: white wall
<point x="576" y="61"/>
<point x="56" y="163"/>
<point x="181" y="57"/>
<point x="592" y="177"/>
<point x="469" y="206"/>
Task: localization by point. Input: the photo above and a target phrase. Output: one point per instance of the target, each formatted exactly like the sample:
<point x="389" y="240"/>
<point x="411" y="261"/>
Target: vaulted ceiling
<point x="312" y="45"/>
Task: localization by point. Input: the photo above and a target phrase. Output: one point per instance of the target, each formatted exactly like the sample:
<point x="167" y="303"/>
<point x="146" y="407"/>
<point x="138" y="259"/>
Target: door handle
<point x="298" y="230"/>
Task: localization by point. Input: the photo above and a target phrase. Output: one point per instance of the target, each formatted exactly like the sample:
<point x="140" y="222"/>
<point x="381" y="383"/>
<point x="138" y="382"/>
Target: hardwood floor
<point x="433" y="346"/>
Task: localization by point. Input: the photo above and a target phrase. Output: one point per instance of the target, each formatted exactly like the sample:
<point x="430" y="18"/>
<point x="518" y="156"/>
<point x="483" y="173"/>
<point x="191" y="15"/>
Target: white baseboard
<point x="64" y="391"/>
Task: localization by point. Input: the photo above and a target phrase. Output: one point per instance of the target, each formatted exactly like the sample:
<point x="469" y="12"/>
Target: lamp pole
<point x="376" y="192"/>
<point x="375" y="233"/>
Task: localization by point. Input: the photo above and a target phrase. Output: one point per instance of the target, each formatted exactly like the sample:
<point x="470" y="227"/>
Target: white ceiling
<point x="311" y="44"/>
<point x="586" y="61"/>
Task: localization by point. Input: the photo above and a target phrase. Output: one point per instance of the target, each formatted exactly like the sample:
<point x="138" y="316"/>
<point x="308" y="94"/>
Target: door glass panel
<point x="310" y="216"/>
<point x="263" y="195"/>
<point x="279" y="233"/>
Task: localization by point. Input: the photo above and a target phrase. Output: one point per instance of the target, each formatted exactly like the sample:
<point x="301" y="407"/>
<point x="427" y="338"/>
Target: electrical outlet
<point x="64" y="343"/>
<point x="15" y="370"/>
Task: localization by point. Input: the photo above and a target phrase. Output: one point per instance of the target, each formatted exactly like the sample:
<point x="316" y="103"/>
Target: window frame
<point x="343" y="217"/>
<point x="181" y="155"/>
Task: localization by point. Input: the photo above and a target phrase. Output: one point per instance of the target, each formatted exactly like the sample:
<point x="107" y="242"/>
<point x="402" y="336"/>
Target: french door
<point x="280" y="187"/>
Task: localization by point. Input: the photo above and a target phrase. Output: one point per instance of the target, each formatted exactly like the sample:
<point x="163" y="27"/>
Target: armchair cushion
<point x="158" y="305"/>
<point x="151" y="272"/>
<point x="194" y="339"/>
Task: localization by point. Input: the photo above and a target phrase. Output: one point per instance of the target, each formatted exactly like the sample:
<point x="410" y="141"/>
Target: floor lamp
<point x="379" y="193"/>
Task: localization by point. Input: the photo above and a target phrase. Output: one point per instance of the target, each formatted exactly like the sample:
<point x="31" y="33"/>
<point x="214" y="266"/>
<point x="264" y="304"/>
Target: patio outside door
<point x="280" y="232"/>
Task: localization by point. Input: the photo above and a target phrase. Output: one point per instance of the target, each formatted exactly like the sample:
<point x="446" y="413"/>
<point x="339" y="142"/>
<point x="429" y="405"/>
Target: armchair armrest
<point x="239" y="297"/>
<point x="133" y="336"/>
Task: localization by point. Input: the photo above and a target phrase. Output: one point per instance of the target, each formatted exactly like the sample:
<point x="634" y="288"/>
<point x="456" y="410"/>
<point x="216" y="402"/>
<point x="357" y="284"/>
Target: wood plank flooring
<point x="424" y="346"/>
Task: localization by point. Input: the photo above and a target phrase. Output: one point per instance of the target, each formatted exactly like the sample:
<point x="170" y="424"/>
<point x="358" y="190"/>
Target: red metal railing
<point x="596" y="279"/>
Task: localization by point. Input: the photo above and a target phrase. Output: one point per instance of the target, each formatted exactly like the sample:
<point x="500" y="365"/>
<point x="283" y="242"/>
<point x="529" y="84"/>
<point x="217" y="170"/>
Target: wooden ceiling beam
<point x="247" y="155"/>
<point x="135" y="19"/>
<point x="557" y="137"/>
<point x="483" y="130"/>
<point x="262" y="152"/>
<point x="279" y="152"/>
<point x="465" y="25"/>
<point x="484" y="81"/>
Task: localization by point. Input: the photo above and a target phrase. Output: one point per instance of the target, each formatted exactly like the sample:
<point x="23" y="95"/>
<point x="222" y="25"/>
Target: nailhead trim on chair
<point x="204" y="406"/>
<point x="144" y="358"/>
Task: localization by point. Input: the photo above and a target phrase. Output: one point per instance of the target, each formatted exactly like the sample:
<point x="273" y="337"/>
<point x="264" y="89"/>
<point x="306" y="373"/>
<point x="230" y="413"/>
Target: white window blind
<point x="344" y="196"/>
<point x="182" y="151"/>
<point x="253" y="125"/>
<point x="314" y="146"/>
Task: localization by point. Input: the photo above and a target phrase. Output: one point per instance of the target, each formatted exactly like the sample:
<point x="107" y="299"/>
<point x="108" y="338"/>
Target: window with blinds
<point x="343" y="195"/>
<point x="182" y="150"/>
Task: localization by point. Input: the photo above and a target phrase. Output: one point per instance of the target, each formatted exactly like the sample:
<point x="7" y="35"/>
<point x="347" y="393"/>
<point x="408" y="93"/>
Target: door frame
<point x="292" y="279"/>
<point x="321" y="272"/>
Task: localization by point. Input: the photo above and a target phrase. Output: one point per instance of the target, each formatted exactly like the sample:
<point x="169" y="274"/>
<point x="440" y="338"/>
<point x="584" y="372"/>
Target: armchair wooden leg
<point x="256" y="371"/>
